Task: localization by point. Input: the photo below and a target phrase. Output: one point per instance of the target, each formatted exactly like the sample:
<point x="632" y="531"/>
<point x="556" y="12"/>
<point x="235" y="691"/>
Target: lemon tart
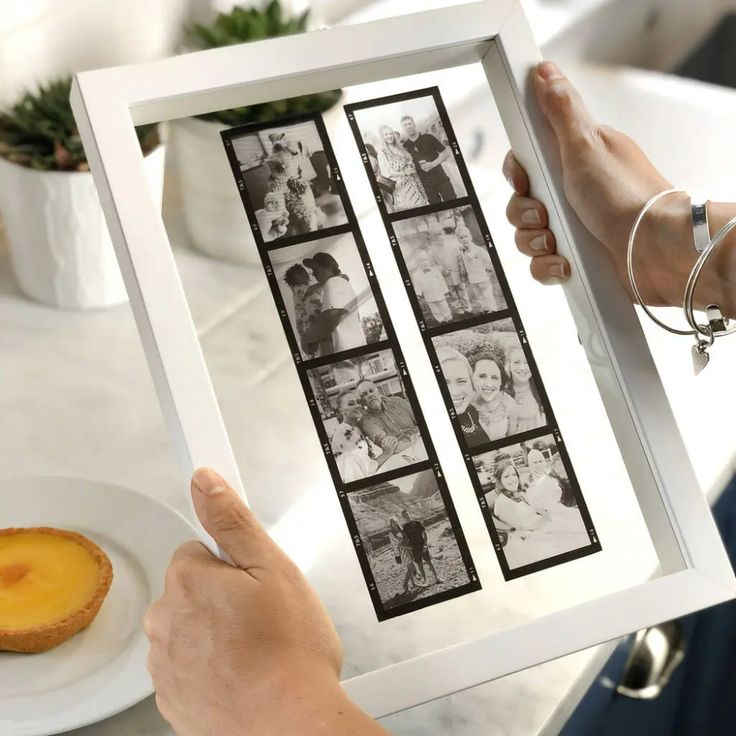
<point x="52" y="585"/>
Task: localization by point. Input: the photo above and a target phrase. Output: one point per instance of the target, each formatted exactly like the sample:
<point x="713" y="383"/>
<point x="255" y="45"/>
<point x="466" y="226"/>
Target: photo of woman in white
<point x="289" y="181"/>
<point x="489" y="382"/>
<point x="525" y="503"/>
<point x="396" y="164"/>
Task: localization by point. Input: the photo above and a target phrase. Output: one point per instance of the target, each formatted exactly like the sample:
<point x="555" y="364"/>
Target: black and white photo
<point x="410" y="153"/>
<point x="289" y="180"/>
<point x="533" y="504"/>
<point x="327" y="295"/>
<point x="409" y="539"/>
<point x="367" y="417"/>
<point x="449" y="265"/>
<point x="345" y="350"/>
<point x="489" y="381"/>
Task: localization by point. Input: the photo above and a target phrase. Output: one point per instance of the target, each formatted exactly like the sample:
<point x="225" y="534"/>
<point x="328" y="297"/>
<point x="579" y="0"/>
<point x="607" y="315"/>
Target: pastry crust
<point x="42" y="638"/>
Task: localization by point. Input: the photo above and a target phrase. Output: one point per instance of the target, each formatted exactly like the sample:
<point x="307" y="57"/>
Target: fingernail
<point x="538" y="243"/>
<point x="207" y="481"/>
<point x="531" y="217"/>
<point x="558" y="270"/>
<point x="548" y="71"/>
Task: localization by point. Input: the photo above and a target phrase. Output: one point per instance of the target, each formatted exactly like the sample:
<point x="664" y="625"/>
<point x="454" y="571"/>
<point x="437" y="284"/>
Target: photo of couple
<point x="490" y="382"/>
<point x="327" y="295"/>
<point x="451" y="271"/>
<point x="409" y="540"/>
<point x="409" y="153"/>
<point x="368" y="420"/>
<point x="531" y="501"/>
<point x="289" y="181"/>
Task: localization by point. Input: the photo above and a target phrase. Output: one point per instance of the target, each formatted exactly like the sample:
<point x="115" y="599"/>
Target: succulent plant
<point x="243" y="24"/>
<point x="39" y="131"/>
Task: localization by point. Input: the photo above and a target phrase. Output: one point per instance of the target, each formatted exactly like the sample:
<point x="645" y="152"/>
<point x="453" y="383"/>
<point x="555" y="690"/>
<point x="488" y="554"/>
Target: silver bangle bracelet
<point x="717" y="325"/>
<point x="630" y="262"/>
<point x="701" y="229"/>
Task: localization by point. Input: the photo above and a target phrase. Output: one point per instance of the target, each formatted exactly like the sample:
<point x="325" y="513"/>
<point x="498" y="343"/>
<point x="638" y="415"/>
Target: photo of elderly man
<point x="386" y="417"/>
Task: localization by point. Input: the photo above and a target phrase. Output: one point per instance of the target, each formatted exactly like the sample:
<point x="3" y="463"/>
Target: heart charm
<point x="700" y="357"/>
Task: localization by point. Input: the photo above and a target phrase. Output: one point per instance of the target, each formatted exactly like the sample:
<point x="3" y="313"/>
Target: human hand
<point x="607" y="179"/>
<point x="245" y="648"/>
<point x="426" y="165"/>
<point x="389" y="444"/>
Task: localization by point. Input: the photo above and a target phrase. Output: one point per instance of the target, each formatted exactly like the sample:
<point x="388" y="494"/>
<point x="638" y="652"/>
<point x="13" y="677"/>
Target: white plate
<point x="102" y="670"/>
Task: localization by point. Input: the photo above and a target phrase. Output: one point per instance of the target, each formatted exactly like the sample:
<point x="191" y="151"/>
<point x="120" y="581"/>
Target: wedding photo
<point x="490" y="382"/>
<point x="288" y="179"/>
<point x="366" y="415"/>
<point x="531" y="502"/>
<point x="449" y="266"/>
<point x="409" y="153"/>
<point x="408" y="538"/>
<point x="327" y="295"/>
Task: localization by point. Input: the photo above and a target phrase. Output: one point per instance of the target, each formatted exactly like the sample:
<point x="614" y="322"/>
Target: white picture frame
<point x="695" y="571"/>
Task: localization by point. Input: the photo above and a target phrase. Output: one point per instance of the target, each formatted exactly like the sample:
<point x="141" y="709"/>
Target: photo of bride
<point x="409" y="152"/>
<point x="327" y="295"/>
<point x="490" y="382"/>
<point x="367" y="417"/>
<point x="289" y="180"/>
<point x="531" y="502"/>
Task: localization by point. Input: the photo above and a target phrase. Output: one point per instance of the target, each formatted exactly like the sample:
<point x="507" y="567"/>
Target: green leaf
<point x="39" y="130"/>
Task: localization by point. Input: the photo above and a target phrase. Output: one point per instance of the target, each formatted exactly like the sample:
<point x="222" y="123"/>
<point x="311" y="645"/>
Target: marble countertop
<point x="77" y="399"/>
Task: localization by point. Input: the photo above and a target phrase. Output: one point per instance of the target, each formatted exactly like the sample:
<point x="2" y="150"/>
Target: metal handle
<point x="654" y="656"/>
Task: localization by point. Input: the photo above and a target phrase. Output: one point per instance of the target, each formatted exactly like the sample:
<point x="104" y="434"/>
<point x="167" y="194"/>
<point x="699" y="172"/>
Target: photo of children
<point x="408" y="538"/>
<point x="366" y="415"/>
<point x="327" y="295"/>
<point x="289" y="180"/>
<point x="451" y="271"/>
<point x="490" y="382"/>
<point x="531" y="502"/>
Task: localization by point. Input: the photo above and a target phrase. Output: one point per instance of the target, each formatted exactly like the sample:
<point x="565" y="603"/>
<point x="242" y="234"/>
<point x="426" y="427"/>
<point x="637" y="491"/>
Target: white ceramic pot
<point x="59" y="244"/>
<point x="213" y="211"/>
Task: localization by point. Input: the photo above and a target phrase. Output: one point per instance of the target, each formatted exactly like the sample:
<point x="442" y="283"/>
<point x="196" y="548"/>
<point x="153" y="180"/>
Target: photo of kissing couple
<point x="327" y="295"/>
<point x="289" y="180"/>
<point x="409" y="152"/>
<point x="490" y="382"/>
<point x="370" y="424"/>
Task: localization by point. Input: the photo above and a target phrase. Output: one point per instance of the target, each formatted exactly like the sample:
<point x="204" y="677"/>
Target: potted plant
<point x="211" y="204"/>
<point x="59" y="245"/>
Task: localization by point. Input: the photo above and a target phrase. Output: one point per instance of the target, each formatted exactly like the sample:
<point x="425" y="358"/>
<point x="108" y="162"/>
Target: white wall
<point x="41" y="39"/>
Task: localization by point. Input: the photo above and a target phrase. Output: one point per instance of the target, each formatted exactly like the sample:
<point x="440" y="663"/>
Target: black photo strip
<point x="392" y="490"/>
<point x="473" y="334"/>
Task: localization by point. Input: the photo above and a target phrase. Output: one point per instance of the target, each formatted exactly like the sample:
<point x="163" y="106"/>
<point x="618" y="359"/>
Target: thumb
<point x="562" y="106"/>
<point x="229" y="521"/>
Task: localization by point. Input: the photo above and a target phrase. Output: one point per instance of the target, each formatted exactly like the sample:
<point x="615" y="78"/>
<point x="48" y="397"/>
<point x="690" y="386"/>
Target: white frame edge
<point x="107" y="103"/>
